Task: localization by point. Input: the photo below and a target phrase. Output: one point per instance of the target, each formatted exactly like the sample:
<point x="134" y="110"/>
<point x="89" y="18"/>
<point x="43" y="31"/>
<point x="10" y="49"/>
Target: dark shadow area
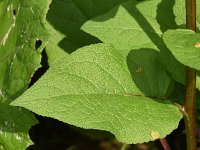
<point x="14" y="119"/>
<point x="145" y="25"/>
<point x="95" y="8"/>
<point x="165" y="56"/>
<point x="67" y="19"/>
<point x="42" y="69"/>
<point x="38" y="43"/>
<point x="147" y="72"/>
<point x="51" y="134"/>
<point x="14" y="12"/>
<point x="67" y="16"/>
<point x="177" y="139"/>
<point x="106" y="16"/>
<point x="165" y="16"/>
<point x="174" y="67"/>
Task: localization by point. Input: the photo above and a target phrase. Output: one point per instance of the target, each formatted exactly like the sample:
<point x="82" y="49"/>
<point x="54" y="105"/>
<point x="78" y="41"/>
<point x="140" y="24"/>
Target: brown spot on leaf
<point x="197" y="45"/>
<point x="140" y="69"/>
<point x="155" y="135"/>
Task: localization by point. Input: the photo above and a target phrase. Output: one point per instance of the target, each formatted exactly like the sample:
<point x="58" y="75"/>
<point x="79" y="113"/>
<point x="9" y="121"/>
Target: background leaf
<point x="22" y="38"/>
<point x="123" y="25"/>
<point x="138" y="25"/>
<point x="185" y="46"/>
<point x="93" y="89"/>
<point x="179" y="10"/>
<point x="65" y="17"/>
<point x="15" y="123"/>
<point x="148" y="74"/>
<point x="22" y="27"/>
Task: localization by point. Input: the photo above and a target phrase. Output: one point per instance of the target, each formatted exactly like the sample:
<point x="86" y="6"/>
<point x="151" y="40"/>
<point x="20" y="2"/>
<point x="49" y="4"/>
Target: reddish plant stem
<point x="165" y="144"/>
<point x="190" y="83"/>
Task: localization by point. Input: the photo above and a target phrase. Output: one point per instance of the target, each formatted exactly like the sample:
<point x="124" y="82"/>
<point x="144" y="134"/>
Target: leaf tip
<point x="14" y="103"/>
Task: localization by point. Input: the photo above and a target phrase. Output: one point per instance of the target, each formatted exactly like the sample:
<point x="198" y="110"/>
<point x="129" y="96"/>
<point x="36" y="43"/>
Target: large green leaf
<point x="65" y="17"/>
<point x="124" y="25"/>
<point x="136" y="25"/>
<point x="92" y="88"/>
<point x="22" y="26"/>
<point x="185" y="46"/>
<point x="15" y="123"/>
<point x="22" y="30"/>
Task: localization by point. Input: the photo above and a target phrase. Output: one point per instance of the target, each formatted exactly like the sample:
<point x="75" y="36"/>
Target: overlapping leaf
<point x="185" y="46"/>
<point x="93" y="89"/>
<point x="15" y="123"/>
<point x="65" y="17"/>
<point x="148" y="74"/>
<point x="124" y="25"/>
<point x="22" y="28"/>
<point x="179" y="10"/>
<point x="136" y="25"/>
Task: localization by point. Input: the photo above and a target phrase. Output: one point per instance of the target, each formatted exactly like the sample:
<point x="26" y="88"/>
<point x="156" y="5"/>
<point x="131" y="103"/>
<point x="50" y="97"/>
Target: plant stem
<point x="190" y="108"/>
<point x="190" y="83"/>
<point x="165" y="144"/>
<point x="124" y="146"/>
<point x="191" y="14"/>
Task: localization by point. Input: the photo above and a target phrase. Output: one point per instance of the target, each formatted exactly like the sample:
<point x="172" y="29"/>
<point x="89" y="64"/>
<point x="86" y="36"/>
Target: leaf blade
<point x="96" y="91"/>
<point x="15" y="123"/>
<point x="184" y="46"/>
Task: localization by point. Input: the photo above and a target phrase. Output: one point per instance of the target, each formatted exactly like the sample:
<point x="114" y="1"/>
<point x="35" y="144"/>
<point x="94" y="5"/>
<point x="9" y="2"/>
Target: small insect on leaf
<point x="197" y="45"/>
<point x="155" y="135"/>
<point x="140" y="69"/>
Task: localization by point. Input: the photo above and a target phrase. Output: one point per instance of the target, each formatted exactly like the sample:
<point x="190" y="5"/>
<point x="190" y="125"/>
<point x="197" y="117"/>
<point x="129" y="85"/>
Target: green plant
<point x="122" y="82"/>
